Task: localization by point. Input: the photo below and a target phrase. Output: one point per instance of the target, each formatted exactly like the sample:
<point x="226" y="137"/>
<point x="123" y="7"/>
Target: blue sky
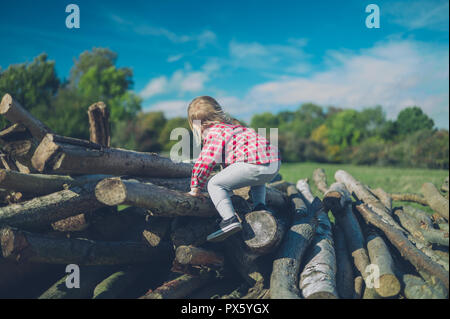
<point x="253" y="56"/>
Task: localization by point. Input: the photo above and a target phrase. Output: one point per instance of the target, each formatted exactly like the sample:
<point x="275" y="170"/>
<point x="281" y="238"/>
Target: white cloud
<point x="430" y="14"/>
<point x="154" y="87"/>
<point x="174" y="58"/>
<point x="171" y="108"/>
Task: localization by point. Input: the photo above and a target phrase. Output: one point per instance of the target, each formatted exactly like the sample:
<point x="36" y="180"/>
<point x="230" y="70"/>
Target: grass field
<point x="391" y="179"/>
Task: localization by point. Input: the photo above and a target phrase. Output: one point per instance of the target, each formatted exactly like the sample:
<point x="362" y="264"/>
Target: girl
<point x="248" y="158"/>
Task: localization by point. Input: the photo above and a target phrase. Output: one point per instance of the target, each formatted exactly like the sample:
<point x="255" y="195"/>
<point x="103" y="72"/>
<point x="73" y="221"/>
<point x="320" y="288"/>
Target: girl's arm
<point x="210" y="155"/>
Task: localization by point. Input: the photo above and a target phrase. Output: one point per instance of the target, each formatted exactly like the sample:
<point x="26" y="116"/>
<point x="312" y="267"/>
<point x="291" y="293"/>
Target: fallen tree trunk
<point x="344" y="269"/>
<point x="190" y="255"/>
<point x="15" y="113"/>
<point x="363" y="194"/>
<point x="40" y="212"/>
<point x="41" y="184"/>
<point x="436" y="201"/>
<point x="65" y="155"/>
<point x="384" y="197"/>
<point x="160" y="200"/>
<point x="286" y="266"/>
<point x="379" y="254"/>
<point x="414" y="198"/>
<point x="422" y="217"/>
<point x="434" y="255"/>
<point x="99" y="131"/>
<point x="417" y="288"/>
<point x="318" y="278"/>
<point x="28" y="247"/>
<point x="418" y="259"/>
<point x="432" y="236"/>
<point x="114" y="285"/>
<point x="320" y="179"/>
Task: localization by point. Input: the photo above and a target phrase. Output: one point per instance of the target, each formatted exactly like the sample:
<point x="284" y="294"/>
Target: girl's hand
<point x="196" y="193"/>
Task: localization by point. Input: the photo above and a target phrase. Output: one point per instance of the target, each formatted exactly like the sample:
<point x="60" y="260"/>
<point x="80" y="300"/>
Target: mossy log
<point x="344" y="269"/>
<point x="99" y="131"/>
<point x="417" y="258"/>
<point x="435" y="200"/>
<point x="318" y="278"/>
<point x="320" y="179"/>
<point x="16" y="113"/>
<point x="286" y="265"/>
<point x="30" y="247"/>
<point x="40" y="212"/>
<point x="63" y="155"/>
<point x="190" y="255"/>
<point x="114" y="285"/>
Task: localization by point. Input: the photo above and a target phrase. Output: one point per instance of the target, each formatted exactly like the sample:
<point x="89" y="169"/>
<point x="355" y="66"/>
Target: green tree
<point x="412" y="119"/>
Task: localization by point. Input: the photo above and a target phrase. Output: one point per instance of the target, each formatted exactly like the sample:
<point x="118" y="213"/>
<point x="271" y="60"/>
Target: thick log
<point x="29" y="247"/>
<point x="40" y="212"/>
<point x="444" y="186"/>
<point x="15" y="113"/>
<point x="422" y="217"/>
<point x="41" y="184"/>
<point x="389" y="285"/>
<point x="417" y="288"/>
<point x="64" y="155"/>
<point x="280" y="185"/>
<point x="417" y="258"/>
<point x="178" y="184"/>
<point x="99" y="130"/>
<point x="320" y="179"/>
<point x="180" y="287"/>
<point x="344" y="269"/>
<point x="359" y="287"/>
<point x="286" y="265"/>
<point x="412" y="225"/>
<point x="160" y="200"/>
<point x="318" y="278"/>
<point x="190" y="255"/>
<point x="436" y="201"/>
<point x="443" y="226"/>
<point x="274" y="197"/>
<point x="191" y="230"/>
<point x="434" y="255"/>
<point x="384" y="197"/>
<point x="114" y="285"/>
<point x="336" y="198"/>
<point x="413" y="198"/>
<point x="89" y="277"/>
<point x="362" y="193"/>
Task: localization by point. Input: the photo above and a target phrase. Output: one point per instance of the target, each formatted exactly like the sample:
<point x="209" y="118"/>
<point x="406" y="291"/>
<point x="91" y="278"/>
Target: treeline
<point x="311" y="133"/>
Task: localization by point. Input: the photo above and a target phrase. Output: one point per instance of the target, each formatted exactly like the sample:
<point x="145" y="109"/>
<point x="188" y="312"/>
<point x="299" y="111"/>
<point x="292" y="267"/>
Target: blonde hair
<point x="209" y="112"/>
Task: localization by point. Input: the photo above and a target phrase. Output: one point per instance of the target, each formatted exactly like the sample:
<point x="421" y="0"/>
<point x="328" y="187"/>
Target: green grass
<point x="391" y="179"/>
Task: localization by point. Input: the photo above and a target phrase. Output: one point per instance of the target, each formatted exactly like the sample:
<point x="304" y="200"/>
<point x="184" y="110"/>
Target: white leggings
<point x="239" y="175"/>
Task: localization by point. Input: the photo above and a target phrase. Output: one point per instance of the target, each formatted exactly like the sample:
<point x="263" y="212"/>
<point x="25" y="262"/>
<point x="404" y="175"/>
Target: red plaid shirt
<point x="241" y="144"/>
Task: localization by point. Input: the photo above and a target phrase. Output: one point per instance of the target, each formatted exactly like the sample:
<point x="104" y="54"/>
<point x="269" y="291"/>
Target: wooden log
<point x="178" y="184"/>
<point x="444" y="186"/>
<point x="64" y="155"/>
<point x="422" y="217"/>
<point x="303" y="187"/>
<point x="362" y="193"/>
<point x="318" y="278"/>
<point x="99" y="130"/>
<point x="274" y="197"/>
<point x="432" y="236"/>
<point x="436" y="201"/>
<point x="180" y="287"/>
<point x="336" y="198"/>
<point x="41" y="184"/>
<point x="434" y="255"/>
<point x="89" y="277"/>
<point x="417" y="288"/>
<point x="191" y="230"/>
<point x="280" y="185"/>
<point x="443" y="226"/>
<point x="344" y="270"/>
<point x="359" y="287"/>
<point x="413" y="198"/>
<point x="40" y="212"/>
<point x="286" y="265"/>
<point x="29" y="247"/>
<point x="114" y="285"/>
<point x="160" y="200"/>
<point x="15" y="113"/>
<point x="417" y="258"/>
<point x="320" y="179"/>
<point x="190" y="255"/>
<point x="389" y="284"/>
<point x="384" y="197"/>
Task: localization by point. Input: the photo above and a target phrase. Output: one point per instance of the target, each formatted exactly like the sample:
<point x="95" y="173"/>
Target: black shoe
<point x="260" y="206"/>
<point x="227" y="228"/>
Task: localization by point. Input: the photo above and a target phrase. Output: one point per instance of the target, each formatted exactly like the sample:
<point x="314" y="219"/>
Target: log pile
<point x="124" y="218"/>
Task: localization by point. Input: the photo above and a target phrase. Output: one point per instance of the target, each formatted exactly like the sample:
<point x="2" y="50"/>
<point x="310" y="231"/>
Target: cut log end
<point x="12" y="242"/>
<point x="261" y="232"/>
<point x="6" y="103"/>
<point x="111" y="191"/>
<point x="389" y="286"/>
